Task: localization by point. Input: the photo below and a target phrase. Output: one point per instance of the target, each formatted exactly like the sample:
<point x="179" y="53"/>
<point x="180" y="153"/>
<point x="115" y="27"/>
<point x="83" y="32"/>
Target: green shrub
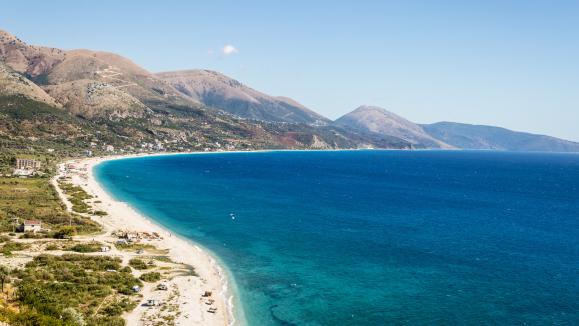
<point x="137" y="263"/>
<point x="67" y="289"/>
<point x="34" y="235"/>
<point x="65" y="232"/>
<point x="126" y="269"/>
<point x="52" y="246"/>
<point x="86" y="247"/>
<point x="11" y="246"/>
<point x="70" y="315"/>
<point x="150" y="277"/>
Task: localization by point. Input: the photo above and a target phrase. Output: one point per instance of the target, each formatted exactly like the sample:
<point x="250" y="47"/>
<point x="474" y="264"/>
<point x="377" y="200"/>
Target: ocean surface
<point x="376" y="237"/>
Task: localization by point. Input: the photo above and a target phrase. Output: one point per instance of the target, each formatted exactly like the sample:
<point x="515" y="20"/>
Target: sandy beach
<point x="185" y="292"/>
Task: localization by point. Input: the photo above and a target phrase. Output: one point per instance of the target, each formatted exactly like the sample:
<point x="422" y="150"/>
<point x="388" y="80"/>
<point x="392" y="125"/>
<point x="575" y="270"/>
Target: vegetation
<point x="80" y="289"/>
<point x="132" y="246"/>
<point x="150" y="277"/>
<point x="137" y="263"/>
<point x="77" y="196"/>
<point x="11" y="246"/>
<point x="35" y="198"/>
<point x="64" y="232"/>
<point x="4" y="275"/>
<point x="86" y="247"/>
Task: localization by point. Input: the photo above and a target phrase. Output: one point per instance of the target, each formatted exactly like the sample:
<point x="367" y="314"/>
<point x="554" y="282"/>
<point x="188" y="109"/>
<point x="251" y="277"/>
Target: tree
<point x="4" y="274"/>
<point x="65" y="232"/>
<point x="74" y="317"/>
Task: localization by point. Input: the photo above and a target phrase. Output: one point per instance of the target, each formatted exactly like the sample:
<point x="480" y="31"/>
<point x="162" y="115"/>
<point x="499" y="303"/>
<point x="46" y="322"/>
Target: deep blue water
<point x="376" y="237"/>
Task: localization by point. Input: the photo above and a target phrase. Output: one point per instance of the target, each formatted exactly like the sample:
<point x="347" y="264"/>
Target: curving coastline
<point x="212" y="276"/>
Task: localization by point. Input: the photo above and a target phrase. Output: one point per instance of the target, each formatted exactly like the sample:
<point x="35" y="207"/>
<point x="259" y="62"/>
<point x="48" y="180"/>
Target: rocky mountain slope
<point x="53" y="68"/>
<point x="82" y="99"/>
<point x="219" y="91"/>
<point x="89" y="98"/>
<point x="376" y="120"/>
<point x="469" y="136"/>
<point x="28" y="60"/>
<point x="13" y="83"/>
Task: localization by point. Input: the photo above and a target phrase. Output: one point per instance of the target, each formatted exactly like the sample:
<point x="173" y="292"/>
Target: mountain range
<point x="81" y="99"/>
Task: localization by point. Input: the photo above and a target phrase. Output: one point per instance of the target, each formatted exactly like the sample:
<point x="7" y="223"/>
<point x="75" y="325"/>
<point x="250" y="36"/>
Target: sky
<point x="507" y="63"/>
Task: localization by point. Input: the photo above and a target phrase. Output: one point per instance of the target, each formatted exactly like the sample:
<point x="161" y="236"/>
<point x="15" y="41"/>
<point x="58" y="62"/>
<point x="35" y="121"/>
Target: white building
<point x="26" y="164"/>
<point x="31" y="226"/>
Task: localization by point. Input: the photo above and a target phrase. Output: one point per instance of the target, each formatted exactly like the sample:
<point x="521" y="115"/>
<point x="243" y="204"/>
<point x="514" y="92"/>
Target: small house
<point x="152" y="302"/>
<point x="105" y="249"/>
<point x="31" y="226"/>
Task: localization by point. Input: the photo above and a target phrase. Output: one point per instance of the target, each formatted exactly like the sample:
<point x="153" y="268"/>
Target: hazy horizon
<point x="511" y="64"/>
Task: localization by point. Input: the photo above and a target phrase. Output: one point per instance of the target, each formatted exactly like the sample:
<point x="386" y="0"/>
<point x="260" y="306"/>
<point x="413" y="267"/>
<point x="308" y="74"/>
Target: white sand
<point x="211" y="276"/>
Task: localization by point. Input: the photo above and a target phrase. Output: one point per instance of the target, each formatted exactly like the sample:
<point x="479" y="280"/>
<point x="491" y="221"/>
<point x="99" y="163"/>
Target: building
<point x="23" y="172"/>
<point x="109" y="148"/>
<point x="27" y="164"/>
<point x="31" y="226"/>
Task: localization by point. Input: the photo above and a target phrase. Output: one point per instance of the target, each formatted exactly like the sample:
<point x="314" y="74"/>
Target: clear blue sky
<point x="508" y="63"/>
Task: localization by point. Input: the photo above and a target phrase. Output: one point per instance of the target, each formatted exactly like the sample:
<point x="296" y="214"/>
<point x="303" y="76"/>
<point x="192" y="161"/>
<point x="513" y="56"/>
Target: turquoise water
<point x="376" y="237"/>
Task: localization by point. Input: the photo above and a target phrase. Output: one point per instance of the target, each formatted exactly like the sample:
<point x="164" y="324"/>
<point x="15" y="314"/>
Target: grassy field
<point x="77" y="197"/>
<point x="34" y="198"/>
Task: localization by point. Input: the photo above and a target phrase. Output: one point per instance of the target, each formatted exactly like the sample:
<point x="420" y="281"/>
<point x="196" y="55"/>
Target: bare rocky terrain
<point x="13" y="83"/>
<point x="214" y="89"/>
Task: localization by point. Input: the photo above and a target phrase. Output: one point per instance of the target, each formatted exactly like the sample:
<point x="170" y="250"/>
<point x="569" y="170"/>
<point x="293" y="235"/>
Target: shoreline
<point x="212" y="276"/>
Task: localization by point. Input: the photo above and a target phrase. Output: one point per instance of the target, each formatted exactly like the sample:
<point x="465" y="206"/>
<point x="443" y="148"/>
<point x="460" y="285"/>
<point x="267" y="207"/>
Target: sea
<point x="374" y="237"/>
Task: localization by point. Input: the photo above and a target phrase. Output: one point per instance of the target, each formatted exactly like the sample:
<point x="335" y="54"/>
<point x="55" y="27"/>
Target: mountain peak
<point x="366" y="107"/>
<point x="377" y="120"/>
<point x="374" y="109"/>
<point x="219" y="91"/>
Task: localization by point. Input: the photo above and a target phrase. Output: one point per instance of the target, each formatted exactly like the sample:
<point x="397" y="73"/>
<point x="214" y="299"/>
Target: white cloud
<point x="229" y="49"/>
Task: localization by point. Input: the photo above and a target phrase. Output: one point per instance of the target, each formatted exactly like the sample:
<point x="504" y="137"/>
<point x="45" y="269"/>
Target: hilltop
<point x="216" y="90"/>
<point x="373" y="119"/>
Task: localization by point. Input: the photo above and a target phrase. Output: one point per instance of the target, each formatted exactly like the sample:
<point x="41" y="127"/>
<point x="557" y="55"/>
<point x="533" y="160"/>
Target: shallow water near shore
<point x="375" y="237"/>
